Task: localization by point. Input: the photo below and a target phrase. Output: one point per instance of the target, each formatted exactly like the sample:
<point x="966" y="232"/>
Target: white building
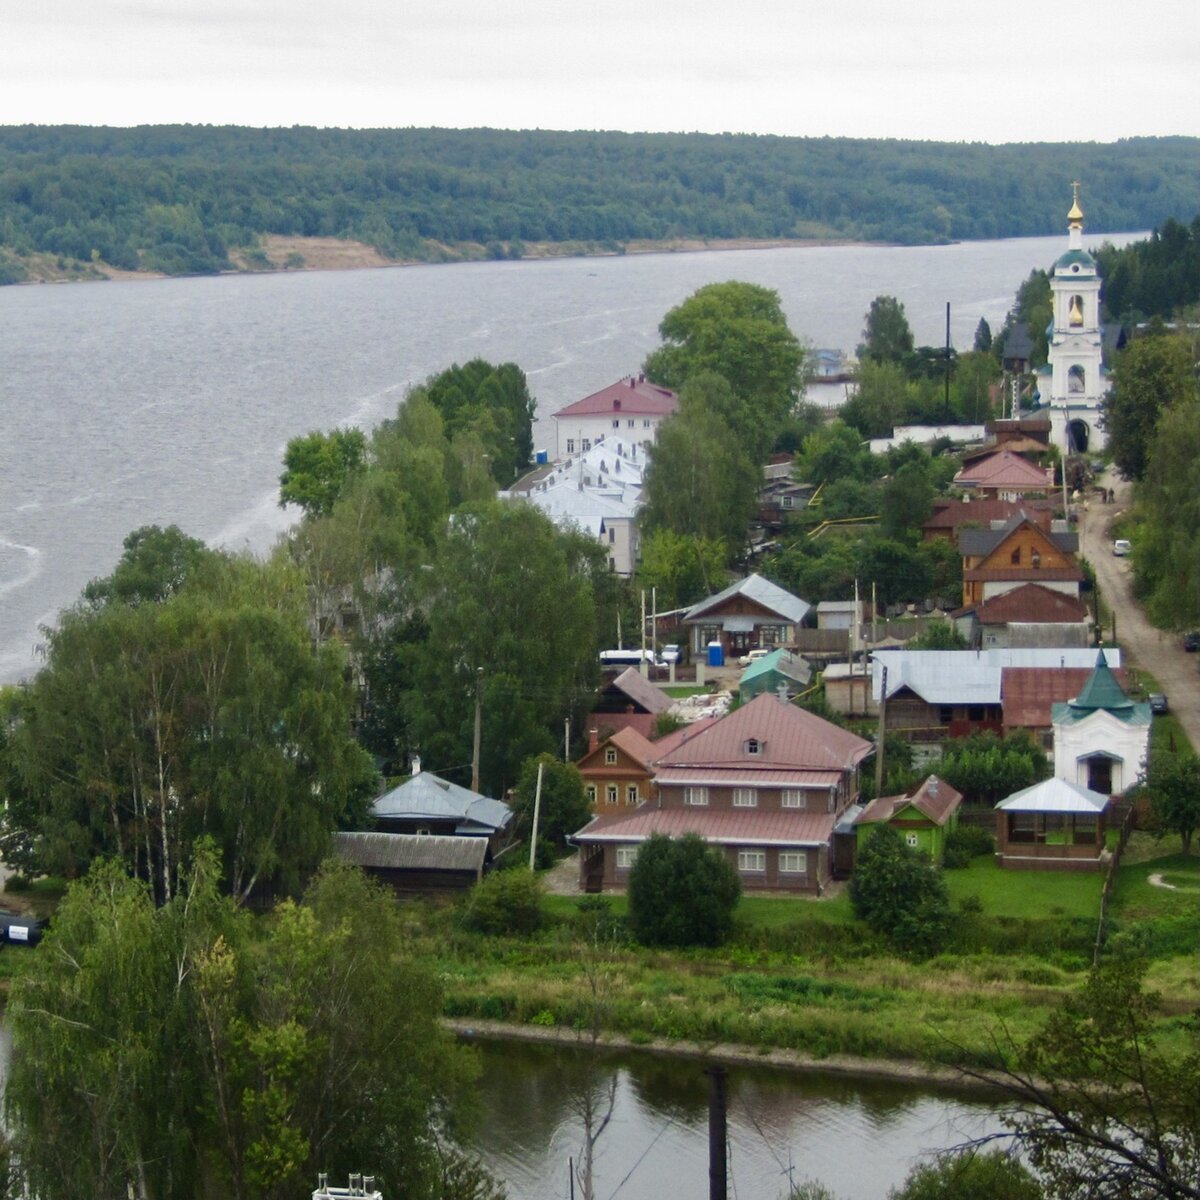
<point x="1073" y="384"/>
<point x="599" y="492"/>
<point x="631" y="409"/>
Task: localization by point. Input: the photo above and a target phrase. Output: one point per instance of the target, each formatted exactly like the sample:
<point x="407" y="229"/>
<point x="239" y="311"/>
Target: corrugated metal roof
<point x="1004" y="469"/>
<point x="429" y="796"/>
<point x="762" y="591"/>
<point x="934" y="799"/>
<point x="747" y="777"/>
<point x="721" y="826"/>
<point x="629" y="395"/>
<point x="641" y="691"/>
<point x="413" y="852"/>
<point x="1056" y="796"/>
<point x="787" y="738"/>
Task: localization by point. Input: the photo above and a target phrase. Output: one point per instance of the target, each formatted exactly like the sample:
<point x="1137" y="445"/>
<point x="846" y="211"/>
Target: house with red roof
<point x="922" y="816"/>
<point x="1029" y="694"/>
<point x="950" y="514"/>
<point x="1005" y="475"/>
<point x="617" y="772"/>
<point x="767" y="784"/>
<point x="1028" y="615"/>
<point x="632" y="408"/>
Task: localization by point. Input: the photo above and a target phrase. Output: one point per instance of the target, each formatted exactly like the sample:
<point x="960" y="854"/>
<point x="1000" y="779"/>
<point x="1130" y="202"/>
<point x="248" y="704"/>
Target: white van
<point x="627" y="658"/>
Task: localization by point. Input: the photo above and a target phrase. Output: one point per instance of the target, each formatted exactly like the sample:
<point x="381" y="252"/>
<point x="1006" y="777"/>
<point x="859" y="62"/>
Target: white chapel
<point x="1073" y="383"/>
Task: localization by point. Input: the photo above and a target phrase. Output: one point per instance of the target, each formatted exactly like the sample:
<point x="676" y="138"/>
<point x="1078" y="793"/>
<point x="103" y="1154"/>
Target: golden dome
<point x="1075" y="216"/>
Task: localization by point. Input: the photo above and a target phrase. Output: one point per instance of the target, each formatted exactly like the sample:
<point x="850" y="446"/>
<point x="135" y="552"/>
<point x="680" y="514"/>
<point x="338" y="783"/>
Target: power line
<point x="669" y="1122"/>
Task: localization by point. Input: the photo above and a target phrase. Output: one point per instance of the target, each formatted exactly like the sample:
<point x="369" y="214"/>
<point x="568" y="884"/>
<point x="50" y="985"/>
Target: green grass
<point x="681" y="691"/>
<point x="1027" y="893"/>
<point x="1136" y="899"/>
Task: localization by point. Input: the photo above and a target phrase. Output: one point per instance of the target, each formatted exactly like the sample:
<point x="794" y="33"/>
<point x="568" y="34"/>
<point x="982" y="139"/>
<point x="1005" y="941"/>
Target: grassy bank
<point x="803" y="976"/>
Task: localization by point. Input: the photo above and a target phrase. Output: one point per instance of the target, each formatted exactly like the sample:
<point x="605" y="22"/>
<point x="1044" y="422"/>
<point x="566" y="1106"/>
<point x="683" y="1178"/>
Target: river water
<point x="160" y="401"/>
<point x="857" y="1137"/>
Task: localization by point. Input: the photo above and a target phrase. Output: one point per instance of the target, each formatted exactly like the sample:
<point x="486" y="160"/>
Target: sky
<point x="947" y="70"/>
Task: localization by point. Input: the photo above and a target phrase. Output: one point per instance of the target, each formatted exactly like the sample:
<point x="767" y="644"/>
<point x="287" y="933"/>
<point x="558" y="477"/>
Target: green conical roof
<point x="1101" y="691"/>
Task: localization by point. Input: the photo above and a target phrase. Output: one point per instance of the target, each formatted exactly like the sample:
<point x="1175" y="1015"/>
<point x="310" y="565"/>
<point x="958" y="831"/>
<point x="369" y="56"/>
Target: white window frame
<point x="586" y="444"/>
<point x="795" y="798"/>
<point x="793" y="862"/>
<point x="752" y="861"/>
<point x="696" y="797"/>
<point x="626" y="856"/>
<point x="570" y="445"/>
<point x="590" y="792"/>
<point x="744" y="797"/>
<point x="912" y="841"/>
<point x="610" y="756"/>
<point x="631" y="794"/>
<point x="611" y="793"/>
<point x="616" y="422"/>
<point x="754" y="746"/>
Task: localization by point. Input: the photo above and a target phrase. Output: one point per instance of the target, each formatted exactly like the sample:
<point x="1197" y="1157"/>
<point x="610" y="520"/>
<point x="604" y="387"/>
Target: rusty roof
<point x="1031" y="604"/>
<point x="724" y="826"/>
<point x="934" y="799"/>
<point x="634" y="395"/>
<point x="1028" y="693"/>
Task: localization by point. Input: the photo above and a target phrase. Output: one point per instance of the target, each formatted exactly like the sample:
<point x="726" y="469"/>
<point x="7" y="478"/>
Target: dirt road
<point x="1150" y="649"/>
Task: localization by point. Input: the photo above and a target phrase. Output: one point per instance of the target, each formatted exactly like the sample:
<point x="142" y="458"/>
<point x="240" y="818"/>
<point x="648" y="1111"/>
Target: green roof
<point x="1101" y="693"/>
<point x="1082" y="257"/>
<point x="762" y="666"/>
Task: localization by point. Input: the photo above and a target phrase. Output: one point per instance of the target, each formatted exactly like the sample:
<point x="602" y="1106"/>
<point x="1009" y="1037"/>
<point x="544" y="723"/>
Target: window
<point x="612" y="536"/>
<point x="646" y="423"/>
<point x="695" y="795"/>
<point x="945" y="714"/>
<point x="630" y="423"/>
<point x="625" y="857"/>
<point x="570" y="445"/>
<point x="1037" y="560"/>
<point x="423" y="831"/>
<point x="788" y="502"/>
<point x="1015" y="557"/>
<point x="631" y="794"/>
<point x="590" y="792"/>
<point x="975" y="713"/>
<point x="610" y="756"/>
<point x="587" y="443"/>
<point x="794" y="798"/>
<point x="752" y="860"/>
<point x="793" y="862"/>
<point x="754" y="746"/>
<point x="610" y="794"/>
<point x="745" y="798"/>
<point x="616" y="422"/>
<point x="911" y="839"/>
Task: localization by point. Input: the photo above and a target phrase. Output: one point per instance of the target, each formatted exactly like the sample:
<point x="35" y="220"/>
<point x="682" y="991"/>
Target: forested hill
<point x="181" y="198"/>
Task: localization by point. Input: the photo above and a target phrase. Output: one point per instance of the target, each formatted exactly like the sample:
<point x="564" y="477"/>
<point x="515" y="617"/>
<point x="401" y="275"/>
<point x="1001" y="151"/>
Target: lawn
<point x="1027" y="893"/>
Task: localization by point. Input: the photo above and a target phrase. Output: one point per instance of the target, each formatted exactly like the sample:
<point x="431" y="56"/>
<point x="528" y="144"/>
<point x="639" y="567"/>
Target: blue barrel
<point x="716" y="654"/>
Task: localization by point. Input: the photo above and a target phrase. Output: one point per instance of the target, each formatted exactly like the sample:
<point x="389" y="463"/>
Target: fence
<point x="1110" y="878"/>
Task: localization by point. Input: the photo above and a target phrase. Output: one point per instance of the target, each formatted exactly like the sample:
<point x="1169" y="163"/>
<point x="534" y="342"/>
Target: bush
<point x="896" y="891"/>
<point x="505" y="902"/>
<point x="974" y="839"/>
<point x="956" y="858"/>
<point x="970" y="1176"/>
<point x="682" y="892"/>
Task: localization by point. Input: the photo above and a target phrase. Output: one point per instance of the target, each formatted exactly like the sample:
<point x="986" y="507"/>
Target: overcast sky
<point x="941" y="69"/>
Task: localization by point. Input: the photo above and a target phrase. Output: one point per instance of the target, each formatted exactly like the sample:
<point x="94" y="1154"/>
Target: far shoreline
<point x="336" y="254"/>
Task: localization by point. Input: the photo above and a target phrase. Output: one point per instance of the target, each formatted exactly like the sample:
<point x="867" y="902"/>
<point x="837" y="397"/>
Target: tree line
<point x="179" y="199"/>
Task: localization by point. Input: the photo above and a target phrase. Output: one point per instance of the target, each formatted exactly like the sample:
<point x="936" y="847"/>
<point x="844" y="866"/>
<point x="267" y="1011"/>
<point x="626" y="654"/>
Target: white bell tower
<point x="1074" y="382"/>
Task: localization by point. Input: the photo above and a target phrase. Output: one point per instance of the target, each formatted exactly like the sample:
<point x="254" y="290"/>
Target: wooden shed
<point x="415" y="864"/>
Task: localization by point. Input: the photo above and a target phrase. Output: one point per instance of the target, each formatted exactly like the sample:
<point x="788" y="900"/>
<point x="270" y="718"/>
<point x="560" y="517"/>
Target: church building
<point x="1072" y="385"/>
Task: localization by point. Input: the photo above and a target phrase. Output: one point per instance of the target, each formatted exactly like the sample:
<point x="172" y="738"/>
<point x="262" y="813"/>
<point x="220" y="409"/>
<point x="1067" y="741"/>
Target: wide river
<point x="171" y="401"/>
<point x="857" y="1137"/>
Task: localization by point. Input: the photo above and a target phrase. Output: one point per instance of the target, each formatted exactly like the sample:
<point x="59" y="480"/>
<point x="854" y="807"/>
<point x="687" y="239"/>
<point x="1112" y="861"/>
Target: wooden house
<point x="767" y="784"/>
<point x="922" y="816"/>
<point x="751" y="614"/>
<point x="997" y="560"/>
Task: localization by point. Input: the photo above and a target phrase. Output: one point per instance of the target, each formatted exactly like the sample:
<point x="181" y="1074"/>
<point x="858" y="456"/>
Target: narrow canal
<point x="857" y="1137"/>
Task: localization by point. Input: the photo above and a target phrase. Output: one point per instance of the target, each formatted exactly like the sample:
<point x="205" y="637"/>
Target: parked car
<point x="752" y="657"/>
<point x="1121" y="547"/>
<point x="1191" y="641"/>
<point x="1158" y="703"/>
<point x="670" y="654"/>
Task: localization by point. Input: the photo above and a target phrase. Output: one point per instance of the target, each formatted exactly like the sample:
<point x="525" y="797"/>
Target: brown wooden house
<point x="1022" y="551"/>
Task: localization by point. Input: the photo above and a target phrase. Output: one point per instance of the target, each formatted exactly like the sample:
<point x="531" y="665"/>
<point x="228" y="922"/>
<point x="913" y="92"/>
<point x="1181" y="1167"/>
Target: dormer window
<point x="754" y="746"/>
<point x="610" y="757"/>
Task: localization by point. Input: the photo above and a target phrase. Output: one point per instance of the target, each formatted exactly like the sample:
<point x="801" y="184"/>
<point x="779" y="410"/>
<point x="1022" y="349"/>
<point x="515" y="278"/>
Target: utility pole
<point x="478" y="729"/>
<point x="717" y="1155"/>
<point x="645" y="669"/>
<point x="947" y="360"/>
<point x="567" y="741"/>
<point x="881" y="734"/>
<point x="537" y="812"/>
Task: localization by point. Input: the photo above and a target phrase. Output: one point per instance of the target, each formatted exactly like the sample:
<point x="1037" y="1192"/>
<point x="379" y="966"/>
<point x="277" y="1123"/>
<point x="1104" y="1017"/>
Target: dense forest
<point x="179" y="199"/>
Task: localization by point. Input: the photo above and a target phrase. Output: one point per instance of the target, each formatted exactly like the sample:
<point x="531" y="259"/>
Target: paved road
<point x="1144" y="646"/>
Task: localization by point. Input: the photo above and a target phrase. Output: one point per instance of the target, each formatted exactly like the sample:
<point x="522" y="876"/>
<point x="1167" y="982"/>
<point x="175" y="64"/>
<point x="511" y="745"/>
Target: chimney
<point x="593" y="739"/>
<point x="617" y="405"/>
<point x="632" y="381"/>
<point x="414" y="765"/>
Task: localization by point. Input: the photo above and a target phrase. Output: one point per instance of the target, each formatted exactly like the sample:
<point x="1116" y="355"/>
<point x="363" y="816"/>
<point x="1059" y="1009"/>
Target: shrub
<point x="896" y="891"/>
<point x="682" y="892"/>
<point x="955" y="858"/>
<point x="973" y="839"/>
<point x="970" y="1176"/>
<point x="505" y="902"/>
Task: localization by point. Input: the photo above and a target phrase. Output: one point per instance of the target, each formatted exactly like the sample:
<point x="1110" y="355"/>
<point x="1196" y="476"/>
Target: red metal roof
<point x="1031" y="604"/>
<point x="788" y="738"/>
<point x="1027" y="693"/>
<point x="745" y="775"/>
<point x="950" y="514"/>
<point x="723" y="826"/>
<point x="1004" y="470"/>
<point x="633" y="395"/>
<point x="934" y="799"/>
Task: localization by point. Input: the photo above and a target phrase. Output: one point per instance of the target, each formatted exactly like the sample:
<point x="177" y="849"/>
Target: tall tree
<point x="207" y="713"/>
<point x="700" y="483"/>
<point x="887" y="336"/>
<point x="739" y="331"/>
<point x="1152" y="374"/>
<point x="983" y="337"/>
<point x="318" y="466"/>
